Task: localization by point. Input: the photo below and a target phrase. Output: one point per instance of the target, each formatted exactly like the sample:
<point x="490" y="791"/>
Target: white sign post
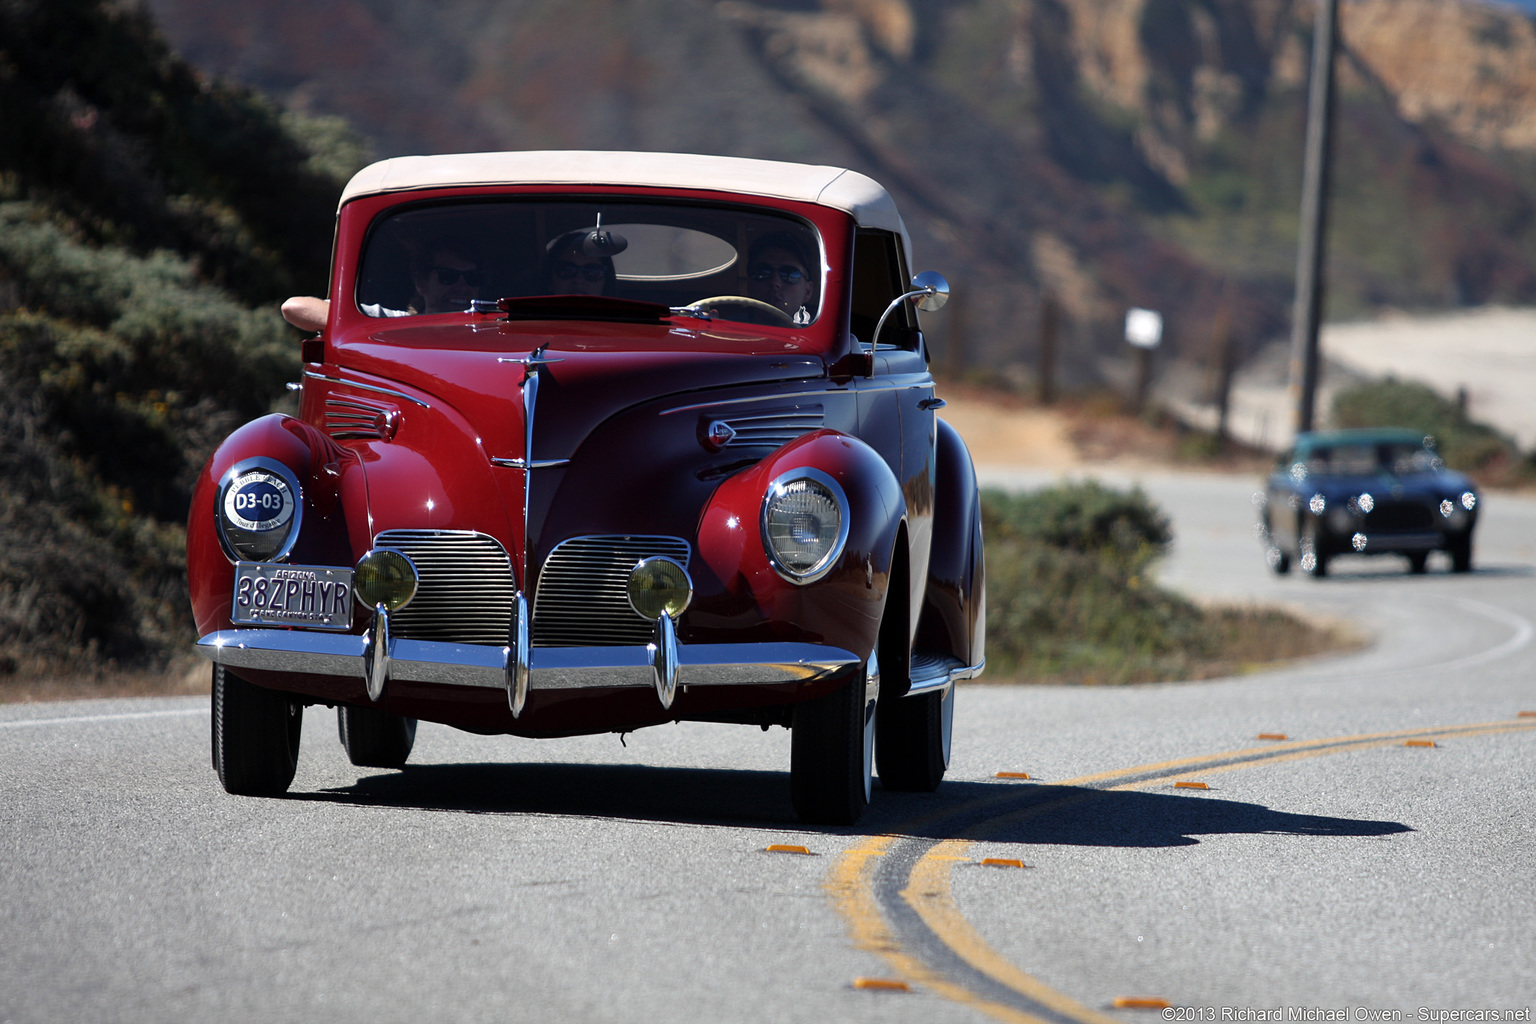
<point x="1143" y="327"/>
<point x="1144" y="330"/>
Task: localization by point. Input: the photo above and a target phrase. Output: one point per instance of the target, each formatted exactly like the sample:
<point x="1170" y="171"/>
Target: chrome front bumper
<point x="665" y="665"/>
<point x="547" y="668"/>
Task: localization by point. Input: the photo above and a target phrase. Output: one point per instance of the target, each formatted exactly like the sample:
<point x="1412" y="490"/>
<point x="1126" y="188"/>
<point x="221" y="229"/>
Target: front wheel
<point x="1461" y="555"/>
<point x="913" y="741"/>
<point x="255" y="736"/>
<point x="1314" y="562"/>
<point x="831" y="751"/>
<point x="375" y="739"/>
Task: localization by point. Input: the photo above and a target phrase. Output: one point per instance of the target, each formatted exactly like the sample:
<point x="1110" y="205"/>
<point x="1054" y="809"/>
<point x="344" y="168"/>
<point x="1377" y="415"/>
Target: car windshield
<point x="1398" y="458"/>
<point x="741" y="263"/>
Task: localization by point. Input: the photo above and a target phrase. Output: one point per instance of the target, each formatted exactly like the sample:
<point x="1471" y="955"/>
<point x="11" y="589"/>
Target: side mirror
<point x="931" y="291"/>
<point x="934" y="289"/>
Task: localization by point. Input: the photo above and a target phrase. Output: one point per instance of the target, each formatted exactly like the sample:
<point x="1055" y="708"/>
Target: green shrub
<point x="1124" y="528"/>
<point x="1069" y="597"/>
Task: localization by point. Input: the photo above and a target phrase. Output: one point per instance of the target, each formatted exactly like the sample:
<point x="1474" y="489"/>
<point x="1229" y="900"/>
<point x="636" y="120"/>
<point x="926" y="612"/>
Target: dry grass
<point x="187" y="677"/>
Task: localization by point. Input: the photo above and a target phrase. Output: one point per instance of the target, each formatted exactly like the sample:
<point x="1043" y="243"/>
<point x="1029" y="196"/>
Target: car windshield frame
<point x="1370" y="458"/>
<point x="543" y="226"/>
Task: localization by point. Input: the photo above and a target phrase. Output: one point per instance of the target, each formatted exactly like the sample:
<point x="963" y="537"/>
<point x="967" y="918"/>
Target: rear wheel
<point x="913" y="741"/>
<point x="374" y="738"/>
<point x="255" y="736"/>
<point x="1418" y="562"/>
<point x="831" y="751"/>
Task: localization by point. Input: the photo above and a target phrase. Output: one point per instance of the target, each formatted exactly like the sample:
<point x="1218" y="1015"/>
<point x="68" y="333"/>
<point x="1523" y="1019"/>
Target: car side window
<point x="879" y="276"/>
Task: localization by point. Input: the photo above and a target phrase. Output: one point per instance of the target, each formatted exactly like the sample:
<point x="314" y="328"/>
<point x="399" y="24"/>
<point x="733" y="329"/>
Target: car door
<point x="897" y="402"/>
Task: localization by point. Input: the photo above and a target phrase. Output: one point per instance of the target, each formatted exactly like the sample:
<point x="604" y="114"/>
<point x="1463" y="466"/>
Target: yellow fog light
<point x="659" y="586"/>
<point x="385" y="577"/>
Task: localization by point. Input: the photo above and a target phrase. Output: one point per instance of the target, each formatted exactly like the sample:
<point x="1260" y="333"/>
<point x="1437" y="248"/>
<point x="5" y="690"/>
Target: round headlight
<point x="805" y="524"/>
<point x="385" y="577"/>
<point x="259" y="510"/>
<point x="1468" y="500"/>
<point x="659" y="586"/>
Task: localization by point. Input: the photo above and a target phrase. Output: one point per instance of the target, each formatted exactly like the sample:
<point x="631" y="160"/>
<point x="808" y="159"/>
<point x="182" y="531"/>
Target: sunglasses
<point x="447" y="276"/>
<point x="565" y="270"/>
<point x="787" y="273"/>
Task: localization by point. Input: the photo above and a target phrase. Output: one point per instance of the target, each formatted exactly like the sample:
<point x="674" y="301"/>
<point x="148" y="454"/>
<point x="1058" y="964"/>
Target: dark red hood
<point x="592" y="370"/>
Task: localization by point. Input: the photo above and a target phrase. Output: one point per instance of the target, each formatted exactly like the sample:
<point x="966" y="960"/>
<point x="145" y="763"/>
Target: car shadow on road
<point x="995" y="812"/>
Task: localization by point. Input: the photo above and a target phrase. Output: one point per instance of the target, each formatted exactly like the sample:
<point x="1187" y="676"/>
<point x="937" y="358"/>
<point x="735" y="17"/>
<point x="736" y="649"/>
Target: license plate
<point x="316" y="596"/>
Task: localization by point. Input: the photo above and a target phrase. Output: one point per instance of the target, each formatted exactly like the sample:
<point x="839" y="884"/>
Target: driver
<point x="569" y="270"/>
<point x="778" y="273"/>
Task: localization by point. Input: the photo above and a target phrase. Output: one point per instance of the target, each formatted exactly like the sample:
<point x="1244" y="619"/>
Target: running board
<point x="935" y="672"/>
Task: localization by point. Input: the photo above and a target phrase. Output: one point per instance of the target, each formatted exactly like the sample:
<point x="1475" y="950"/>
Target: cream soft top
<point x="856" y="194"/>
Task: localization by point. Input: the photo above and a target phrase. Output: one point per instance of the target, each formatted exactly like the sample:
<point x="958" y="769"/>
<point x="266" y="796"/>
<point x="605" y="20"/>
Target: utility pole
<point x="1046" y="383"/>
<point x="1310" y="249"/>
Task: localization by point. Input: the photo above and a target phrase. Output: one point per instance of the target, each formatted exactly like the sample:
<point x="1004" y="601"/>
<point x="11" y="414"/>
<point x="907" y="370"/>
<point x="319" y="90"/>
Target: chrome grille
<point x="348" y="420"/>
<point x="1401" y="517"/>
<point x="583" y="596"/>
<point x="465" y="593"/>
<point x="773" y="429"/>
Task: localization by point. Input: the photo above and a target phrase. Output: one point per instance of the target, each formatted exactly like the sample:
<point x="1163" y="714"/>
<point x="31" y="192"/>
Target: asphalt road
<point x="1348" y="867"/>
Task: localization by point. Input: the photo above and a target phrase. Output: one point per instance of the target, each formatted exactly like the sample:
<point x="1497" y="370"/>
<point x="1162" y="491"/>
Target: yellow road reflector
<point x="1001" y="862"/>
<point x="1190" y="785"/>
<point x="1273" y="736"/>
<point x="1141" y="1003"/>
<point x="1526" y="714"/>
<point x="1419" y="743"/>
<point x="882" y="984"/>
<point x="1011" y="775"/>
<point x="785" y="848"/>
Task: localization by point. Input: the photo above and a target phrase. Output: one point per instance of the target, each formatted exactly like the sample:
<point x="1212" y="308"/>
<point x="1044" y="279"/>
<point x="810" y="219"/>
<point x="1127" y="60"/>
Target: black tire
<point x="1276" y="557"/>
<point x="831" y="748"/>
<point x="1313" y="561"/>
<point x="1279" y="561"/>
<point x="1461" y="555"/>
<point x="374" y="738"/>
<point x="913" y="741"/>
<point x="1418" y="562"/>
<point x="255" y="736"/>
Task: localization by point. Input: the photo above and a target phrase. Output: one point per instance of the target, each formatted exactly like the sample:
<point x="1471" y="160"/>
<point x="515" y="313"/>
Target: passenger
<point x="779" y="273"/>
<point x="307" y="312"/>
<point x="446" y="280"/>
<point x="570" y="270"/>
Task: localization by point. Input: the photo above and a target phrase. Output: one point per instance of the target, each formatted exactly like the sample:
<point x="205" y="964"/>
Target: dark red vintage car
<point x="594" y="441"/>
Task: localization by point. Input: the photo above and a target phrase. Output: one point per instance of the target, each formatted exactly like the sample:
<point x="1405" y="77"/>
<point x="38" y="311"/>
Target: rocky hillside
<point x="1107" y="152"/>
<point x="150" y="219"/>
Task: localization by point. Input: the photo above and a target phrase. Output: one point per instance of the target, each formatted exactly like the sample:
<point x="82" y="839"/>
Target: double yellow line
<point x="851" y="884"/>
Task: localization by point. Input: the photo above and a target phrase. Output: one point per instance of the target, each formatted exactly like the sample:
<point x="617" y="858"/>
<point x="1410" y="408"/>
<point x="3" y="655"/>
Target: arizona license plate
<point x="316" y="596"/>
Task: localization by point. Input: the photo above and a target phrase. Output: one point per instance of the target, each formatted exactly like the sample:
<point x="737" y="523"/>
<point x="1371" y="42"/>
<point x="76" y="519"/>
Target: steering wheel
<point x="762" y="312"/>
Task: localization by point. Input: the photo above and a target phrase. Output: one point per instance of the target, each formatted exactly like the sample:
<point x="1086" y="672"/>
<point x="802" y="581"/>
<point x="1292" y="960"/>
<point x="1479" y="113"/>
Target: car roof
<point x="855" y="194"/>
<point x="1363" y="435"/>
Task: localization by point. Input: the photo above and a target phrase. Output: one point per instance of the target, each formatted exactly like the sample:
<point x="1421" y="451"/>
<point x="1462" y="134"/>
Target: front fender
<point x="953" y="618"/>
<point x="843" y="608"/>
<point x="330" y="481"/>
